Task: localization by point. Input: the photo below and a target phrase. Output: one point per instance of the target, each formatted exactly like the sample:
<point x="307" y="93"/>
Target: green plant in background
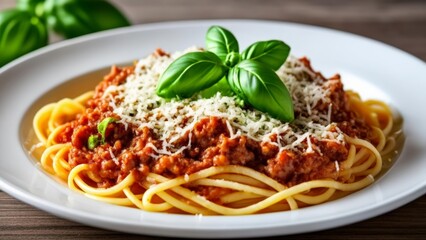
<point x="20" y="33"/>
<point x="221" y="68"/>
<point x="25" y="28"/>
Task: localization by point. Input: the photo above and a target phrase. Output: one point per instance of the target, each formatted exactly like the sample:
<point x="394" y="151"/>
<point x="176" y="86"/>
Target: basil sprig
<point x="221" y="68"/>
<point x="25" y="28"/>
<point x="20" y="33"/>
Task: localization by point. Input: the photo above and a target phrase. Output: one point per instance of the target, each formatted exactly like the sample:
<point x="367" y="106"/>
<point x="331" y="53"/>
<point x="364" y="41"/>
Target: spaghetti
<point x="212" y="156"/>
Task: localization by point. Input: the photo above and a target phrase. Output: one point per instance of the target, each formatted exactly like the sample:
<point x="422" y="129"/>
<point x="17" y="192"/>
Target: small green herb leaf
<point x="20" y="33"/>
<point x="232" y="59"/>
<point x="260" y="86"/>
<point x="221" y="42"/>
<point x="93" y="142"/>
<point x="235" y="84"/>
<point x="189" y="74"/>
<point x="222" y="86"/>
<point x="102" y="126"/>
<point x="273" y="53"/>
<point x="73" y="18"/>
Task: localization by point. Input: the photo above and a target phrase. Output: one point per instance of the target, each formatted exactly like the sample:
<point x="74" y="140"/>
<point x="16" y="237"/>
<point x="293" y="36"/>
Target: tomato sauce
<point x="128" y="149"/>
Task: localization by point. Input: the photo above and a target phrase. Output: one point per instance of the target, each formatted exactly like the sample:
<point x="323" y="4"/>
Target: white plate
<point x="373" y="68"/>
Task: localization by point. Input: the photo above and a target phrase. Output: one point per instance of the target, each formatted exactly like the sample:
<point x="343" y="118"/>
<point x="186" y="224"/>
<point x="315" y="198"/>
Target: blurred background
<point x="401" y="23"/>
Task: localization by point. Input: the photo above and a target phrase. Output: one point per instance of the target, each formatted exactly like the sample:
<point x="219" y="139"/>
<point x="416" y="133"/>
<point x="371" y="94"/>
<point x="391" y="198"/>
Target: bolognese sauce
<point x="131" y="149"/>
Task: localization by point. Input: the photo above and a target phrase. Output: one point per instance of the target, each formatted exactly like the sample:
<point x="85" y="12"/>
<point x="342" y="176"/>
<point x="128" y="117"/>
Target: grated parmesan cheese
<point x="136" y="103"/>
<point x="336" y="164"/>
<point x="113" y="157"/>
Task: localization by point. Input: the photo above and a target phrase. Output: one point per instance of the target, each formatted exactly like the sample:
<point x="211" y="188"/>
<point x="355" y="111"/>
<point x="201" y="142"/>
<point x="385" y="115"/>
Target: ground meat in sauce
<point x="126" y="149"/>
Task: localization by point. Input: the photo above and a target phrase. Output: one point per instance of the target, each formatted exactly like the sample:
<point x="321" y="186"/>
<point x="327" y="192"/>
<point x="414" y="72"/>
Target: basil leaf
<point x="189" y="74"/>
<point x="93" y="142"/>
<point x="235" y="85"/>
<point x="273" y="53"/>
<point x="73" y="18"/>
<point x="36" y="7"/>
<point x="20" y="33"/>
<point x="221" y="42"/>
<point x="260" y="86"/>
<point x="222" y="86"/>
<point x="102" y="126"/>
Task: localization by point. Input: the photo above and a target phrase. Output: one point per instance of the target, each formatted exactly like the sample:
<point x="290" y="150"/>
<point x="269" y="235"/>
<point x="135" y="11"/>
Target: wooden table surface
<point x="398" y="23"/>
